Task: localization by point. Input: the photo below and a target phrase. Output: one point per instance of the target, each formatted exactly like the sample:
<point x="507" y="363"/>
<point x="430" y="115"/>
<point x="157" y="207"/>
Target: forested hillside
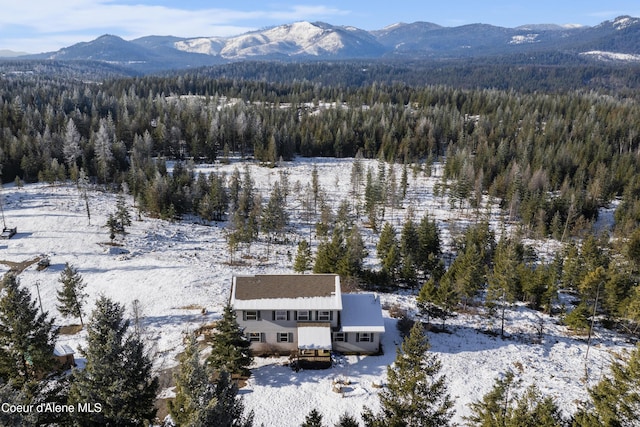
<point x="551" y="158"/>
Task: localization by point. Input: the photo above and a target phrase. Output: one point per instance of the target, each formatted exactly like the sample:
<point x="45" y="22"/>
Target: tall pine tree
<point x="229" y="347"/>
<point x="27" y="337"/>
<point x="71" y="297"/>
<point x="416" y="393"/>
<point x="201" y="402"/>
<point x="117" y="374"/>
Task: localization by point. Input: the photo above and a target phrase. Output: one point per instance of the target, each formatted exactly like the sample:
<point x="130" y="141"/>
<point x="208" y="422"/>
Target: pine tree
<point x="388" y="251"/>
<point x="616" y="398"/>
<point x="429" y="247"/>
<point x="410" y="251"/>
<point x="27" y="337"/>
<point x="330" y="255"/>
<point x="504" y="282"/>
<point x="492" y="409"/>
<point x="313" y="419"/>
<point x="117" y="374"/>
<point x="274" y="216"/>
<point x="103" y="150"/>
<point x="10" y="396"/>
<point x="229" y="347"/>
<point x="416" y="393"/>
<point x="222" y="406"/>
<point x="71" y="297"/>
<point x="347" y="420"/>
<point x="303" y="259"/>
<point x="71" y="145"/>
<point x="198" y="401"/>
<point x="122" y="215"/>
<point x="355" y="252"/>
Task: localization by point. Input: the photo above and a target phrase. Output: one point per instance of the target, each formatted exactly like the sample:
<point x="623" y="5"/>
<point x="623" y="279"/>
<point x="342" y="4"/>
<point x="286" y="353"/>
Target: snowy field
<point x="177" y="269"/>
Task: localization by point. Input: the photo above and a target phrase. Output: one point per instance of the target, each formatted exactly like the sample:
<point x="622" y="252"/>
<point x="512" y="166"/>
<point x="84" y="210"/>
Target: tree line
<point x="552" y="159"/>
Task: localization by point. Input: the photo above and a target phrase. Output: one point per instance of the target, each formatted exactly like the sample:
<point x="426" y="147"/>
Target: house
<point x="306" y="316"/>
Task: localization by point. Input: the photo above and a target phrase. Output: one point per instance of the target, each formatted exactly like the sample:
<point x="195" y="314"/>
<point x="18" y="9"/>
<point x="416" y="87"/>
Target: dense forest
<point x="552" y="159"/>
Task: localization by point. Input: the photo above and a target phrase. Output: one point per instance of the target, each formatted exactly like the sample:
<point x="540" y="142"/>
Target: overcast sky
<point x="46" y="25"/>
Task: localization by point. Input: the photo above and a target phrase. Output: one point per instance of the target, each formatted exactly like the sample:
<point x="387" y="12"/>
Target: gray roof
<point x="276" y="286"/>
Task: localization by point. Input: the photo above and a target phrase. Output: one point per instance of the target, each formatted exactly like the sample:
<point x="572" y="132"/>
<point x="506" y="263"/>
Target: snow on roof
<point x="314" y="336"/>
<point x="361" y="313"/>
<point x="286" y="292"/>
<point x="62" y="350"/>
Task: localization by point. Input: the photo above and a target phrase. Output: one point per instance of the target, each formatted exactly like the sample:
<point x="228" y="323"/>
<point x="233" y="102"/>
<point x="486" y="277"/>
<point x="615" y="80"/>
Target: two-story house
<point x="306" y="316"/>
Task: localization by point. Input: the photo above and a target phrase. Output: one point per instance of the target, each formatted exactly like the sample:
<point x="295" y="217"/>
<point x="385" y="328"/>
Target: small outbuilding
<point x="64" y="356"/>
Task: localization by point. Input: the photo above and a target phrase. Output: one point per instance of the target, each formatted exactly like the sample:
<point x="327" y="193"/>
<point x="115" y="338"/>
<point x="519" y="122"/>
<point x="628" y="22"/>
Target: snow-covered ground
<point x="175" y="269"/>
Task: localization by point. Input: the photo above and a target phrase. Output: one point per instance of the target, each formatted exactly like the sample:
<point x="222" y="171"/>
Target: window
<point x="285" y="337"/>
<point x="254" y="337"/>
<point x="324" y="316"/>
<point x="252" y="315"/>
<point x="364" y="337"/>
<point x="281" y="315"/>
<point x="340" y="336"/>
<point x="304" y="315"/>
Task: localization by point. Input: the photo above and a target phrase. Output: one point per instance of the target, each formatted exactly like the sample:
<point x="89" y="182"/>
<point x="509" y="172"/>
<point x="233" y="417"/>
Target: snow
<point x="612" y="56"/>
<point x="177" y="270"/>
<point x="361" y="313"/>
<point x="309" y="303"/>
<point x="524" y="39"/>
<point x="314" y="337"/>
<point x="293" y="39"/>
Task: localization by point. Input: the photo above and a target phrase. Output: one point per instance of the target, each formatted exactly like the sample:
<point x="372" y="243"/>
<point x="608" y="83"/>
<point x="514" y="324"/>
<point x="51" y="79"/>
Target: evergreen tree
<point x="347" y="420"/>
<point x="191" y="381"/>
<point x="416" y="393"/>
<point x="103" y="150"/>
<point x="504" y="281"/>
<point x="429" y="247"/>
<point x="388" y="251"/>
<point x="71" y="297"/>
<point x="229" y="347"/>
<point x="355" y="253"/>
<point x="504" y="406"/>
<point x="71" y="145"/>
<point x="222" y="407"/>
<point x="313" y="419"/>
<point x="122" y="215"/>
<point x="409" y="251"/>
<point x="199" y="402"/>
<point x="10" y="396"/>
<point x="331" y="254"/>
<point x="578" y="319"/>
<point x="616" y="398"/>
<point x="433" y="300"/>
<point x="274" y="216"/>
<point x="304" y="258"/>
<point x="27" y="337"/>
<point x="117" y="374"/>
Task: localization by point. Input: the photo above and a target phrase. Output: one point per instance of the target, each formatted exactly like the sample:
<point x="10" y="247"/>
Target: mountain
<point x="146" y="54"/>
<point x="612" y="41"/>
<point x="298" y="40"/>
<point x="5" y="53"/>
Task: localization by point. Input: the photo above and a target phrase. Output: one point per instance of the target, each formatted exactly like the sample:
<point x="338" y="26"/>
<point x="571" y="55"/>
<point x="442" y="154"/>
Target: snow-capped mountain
<point x="320" y="41"/>
<point x="300" y="39"/>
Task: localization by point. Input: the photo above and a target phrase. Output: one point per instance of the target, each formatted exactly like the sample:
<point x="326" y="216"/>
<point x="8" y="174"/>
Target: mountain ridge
<point x="304" y="40"/>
